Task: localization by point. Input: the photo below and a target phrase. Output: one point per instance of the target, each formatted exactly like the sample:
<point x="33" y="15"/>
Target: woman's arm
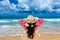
<point x="22" y="23"/>
<point x="26" y="24"/>
<point x="39" y="22"/>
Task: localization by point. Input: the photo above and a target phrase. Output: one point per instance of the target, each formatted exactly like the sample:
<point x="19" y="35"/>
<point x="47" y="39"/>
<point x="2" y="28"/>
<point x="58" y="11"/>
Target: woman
<point x="31" y="28"/>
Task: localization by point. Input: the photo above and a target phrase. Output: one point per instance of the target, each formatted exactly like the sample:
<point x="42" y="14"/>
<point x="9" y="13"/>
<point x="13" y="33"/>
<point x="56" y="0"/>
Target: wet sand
<point x="42" y="37"/>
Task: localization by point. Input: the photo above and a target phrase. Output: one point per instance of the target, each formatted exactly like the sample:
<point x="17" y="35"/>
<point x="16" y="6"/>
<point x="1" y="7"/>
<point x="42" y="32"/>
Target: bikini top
<point x="37" y="21"/>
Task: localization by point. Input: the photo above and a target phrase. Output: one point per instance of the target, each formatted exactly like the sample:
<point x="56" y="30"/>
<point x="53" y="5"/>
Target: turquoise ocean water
<point x="10" y="27"/>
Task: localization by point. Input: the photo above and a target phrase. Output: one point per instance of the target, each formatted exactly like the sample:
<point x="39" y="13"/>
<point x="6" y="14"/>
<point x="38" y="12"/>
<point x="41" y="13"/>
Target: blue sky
<point x="14" y="1"/>
<point x="9" y="7"/>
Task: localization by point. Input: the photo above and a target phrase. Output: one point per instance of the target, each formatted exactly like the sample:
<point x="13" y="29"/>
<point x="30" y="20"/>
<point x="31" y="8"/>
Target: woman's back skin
<point x="36" y="35"/>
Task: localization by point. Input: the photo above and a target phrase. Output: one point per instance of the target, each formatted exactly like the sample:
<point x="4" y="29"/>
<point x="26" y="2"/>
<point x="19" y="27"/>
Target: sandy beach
<point x="42" y="37"/>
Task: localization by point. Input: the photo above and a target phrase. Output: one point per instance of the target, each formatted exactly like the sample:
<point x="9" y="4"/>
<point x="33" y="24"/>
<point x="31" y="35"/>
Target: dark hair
<point x="31" y="31"/>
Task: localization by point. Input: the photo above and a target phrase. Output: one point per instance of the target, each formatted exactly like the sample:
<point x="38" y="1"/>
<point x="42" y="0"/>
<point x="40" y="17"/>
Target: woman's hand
<point x="26" y="25"/>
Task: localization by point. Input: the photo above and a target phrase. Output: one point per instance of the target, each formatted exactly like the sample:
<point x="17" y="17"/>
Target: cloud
<point x="42" y="4"/>
<point x="36" y="4"/>
<point x="29" y="5"/>
<point x="6" y="7"/>
<point x="13" y="7"/>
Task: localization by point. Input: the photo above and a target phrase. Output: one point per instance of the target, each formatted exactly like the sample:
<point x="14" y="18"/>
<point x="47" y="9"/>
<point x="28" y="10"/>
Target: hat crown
<point x="30" y="17"/>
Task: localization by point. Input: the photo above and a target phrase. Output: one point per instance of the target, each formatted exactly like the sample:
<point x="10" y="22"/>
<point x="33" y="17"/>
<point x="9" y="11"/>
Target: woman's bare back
<point x="24" y="35"/>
